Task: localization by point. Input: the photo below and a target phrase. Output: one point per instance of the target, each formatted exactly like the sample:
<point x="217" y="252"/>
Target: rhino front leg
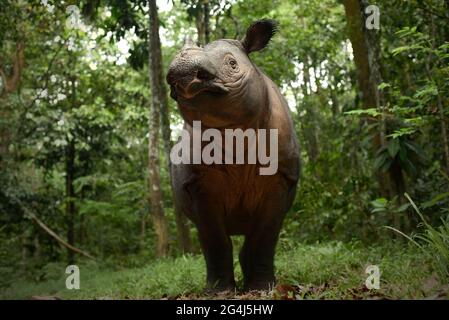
<point x="257" y="259"/>
<point x="217" y="248"/>
<point x="257" y="253"/>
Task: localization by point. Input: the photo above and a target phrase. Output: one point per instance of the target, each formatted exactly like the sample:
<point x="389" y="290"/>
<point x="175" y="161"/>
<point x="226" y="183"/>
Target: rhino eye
<point x="233" y="63"/>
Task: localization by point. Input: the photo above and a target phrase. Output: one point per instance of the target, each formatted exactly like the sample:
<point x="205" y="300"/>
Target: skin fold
<point x="221" y="87"/>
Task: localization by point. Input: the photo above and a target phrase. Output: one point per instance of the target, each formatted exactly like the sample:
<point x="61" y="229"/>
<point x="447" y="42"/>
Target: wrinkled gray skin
<point x="221" y="87"/>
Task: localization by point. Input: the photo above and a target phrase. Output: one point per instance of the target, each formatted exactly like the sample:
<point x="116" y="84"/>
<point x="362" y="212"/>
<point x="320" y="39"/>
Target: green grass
<point x="322" y="271"/>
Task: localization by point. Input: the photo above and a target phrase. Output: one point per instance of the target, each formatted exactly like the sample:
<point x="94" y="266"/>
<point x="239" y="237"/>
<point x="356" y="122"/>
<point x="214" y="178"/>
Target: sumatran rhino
<point x="221" y="87"/>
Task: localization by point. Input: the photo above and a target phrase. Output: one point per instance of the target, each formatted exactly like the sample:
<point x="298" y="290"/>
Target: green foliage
<point x="433" y="241"/>
<point x="406" y="153"/>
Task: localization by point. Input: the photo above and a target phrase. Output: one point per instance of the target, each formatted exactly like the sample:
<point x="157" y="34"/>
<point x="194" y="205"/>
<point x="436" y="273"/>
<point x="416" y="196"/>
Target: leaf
<point x="406" y="31"/>
<point x="402" y="132"/>
<point x="370" y="112"/>
<point x="404" y="235"/>
<point x="409" y="167"/>
<point x="435" y="200"/>
<point x="386" y="165"/>
<point x="384" y="85"/>
<point x="399" y="50"/>
<point x="402" y="154"/>
<point x="415" y="148"/>
<point x="381" y="202"/>
<point x="380" y="160"/>
<point x="404" y="207"/>
<point x="393" y="147"/>
<point x="429" y="90"/>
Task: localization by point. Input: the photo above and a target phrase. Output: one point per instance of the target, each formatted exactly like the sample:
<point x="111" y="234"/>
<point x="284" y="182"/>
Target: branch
<point x="51" y="232"/>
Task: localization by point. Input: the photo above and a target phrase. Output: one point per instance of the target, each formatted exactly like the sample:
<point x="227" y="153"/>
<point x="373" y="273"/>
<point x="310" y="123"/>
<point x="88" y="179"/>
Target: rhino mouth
<point x="196" y="88"/>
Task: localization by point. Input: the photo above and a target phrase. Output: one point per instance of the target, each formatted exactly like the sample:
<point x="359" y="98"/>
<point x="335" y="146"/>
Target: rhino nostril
<point x="203" y="74"/>
<point x="173" y="92"/>
<point x="171" y="78"/>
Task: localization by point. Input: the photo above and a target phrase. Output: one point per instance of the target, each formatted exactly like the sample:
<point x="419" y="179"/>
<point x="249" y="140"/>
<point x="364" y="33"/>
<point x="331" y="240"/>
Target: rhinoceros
<point x="221" y="87"/>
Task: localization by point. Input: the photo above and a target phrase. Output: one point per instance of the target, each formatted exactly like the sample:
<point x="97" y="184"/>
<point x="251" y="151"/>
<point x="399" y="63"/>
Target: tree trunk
<point x="24" y="253"/>
<point x="70" y="195"/>
<point x="143" y="231"/>
<point x="157" y="92"/>
<point x="82" y="236"/>
<point x="37" y="247"/>
<point x="399" y="188"/>
<point x="5" y="132"/>
<point x="202" y="22"/>
<point x="9" y="85"/>
<point x="443" y="124"/>
<point x="200" y="26"/>
<point x="206" y="21"/>
<point x="182" y="226"/>
<point x="444" y="136"/>
<point x="310" y="131"/>
<point x="70" y="175"/>
<point x="366" y="50"/>
<point x="357" y="36"/>
<point x="81" y="230"/>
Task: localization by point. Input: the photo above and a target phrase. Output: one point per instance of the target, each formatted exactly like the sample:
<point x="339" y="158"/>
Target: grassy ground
<point x="321" y="271"/>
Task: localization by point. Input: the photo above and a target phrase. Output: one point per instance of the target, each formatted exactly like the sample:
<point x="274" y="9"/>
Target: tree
<point x="366" y="48"/>
<point x="200" y="12"/>
<point x="157" y="97"/>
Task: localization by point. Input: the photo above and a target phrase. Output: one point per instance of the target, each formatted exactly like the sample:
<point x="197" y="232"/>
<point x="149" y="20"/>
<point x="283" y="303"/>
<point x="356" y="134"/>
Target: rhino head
<point x="218" y="83"/>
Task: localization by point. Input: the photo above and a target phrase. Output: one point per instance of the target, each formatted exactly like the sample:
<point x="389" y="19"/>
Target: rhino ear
<point x="259" y="34"/>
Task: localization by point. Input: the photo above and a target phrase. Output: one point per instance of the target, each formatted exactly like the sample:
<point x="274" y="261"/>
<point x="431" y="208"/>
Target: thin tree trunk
<point x="202" y="22"/>
<point x="156" y="84"/>
<point x="200" y="25"/>
<point x="206" y="21"/>
<point x="444" y="136"/>
<point x="143" y="231"/>
<point x="310" y="131"/>
<point x="5" y="132"/>
<point x="82" y="236"/>
<point x="182" y="226"/>
<point x="443" y="124"/>
<point x="24" y="253"/>
<point x="37" y="247"/>
<point x="70" y="176"/>
<point x="81" y="230"/>
<point x="399" y="184"/>
<point x="70" y="195"/>
<point x="9" y="85"/>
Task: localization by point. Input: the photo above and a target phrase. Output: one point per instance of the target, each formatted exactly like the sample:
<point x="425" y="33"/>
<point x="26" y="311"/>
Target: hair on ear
<point x="259" y="34"/>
